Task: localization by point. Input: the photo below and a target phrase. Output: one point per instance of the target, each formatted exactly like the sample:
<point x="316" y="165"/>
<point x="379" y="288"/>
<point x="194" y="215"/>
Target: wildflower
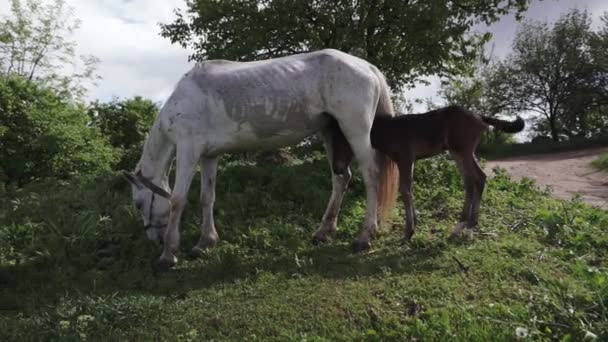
<point x="521" y="332"/>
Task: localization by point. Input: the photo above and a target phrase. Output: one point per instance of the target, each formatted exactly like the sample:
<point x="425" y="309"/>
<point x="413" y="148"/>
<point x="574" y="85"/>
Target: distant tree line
<point x="559" y="72"/>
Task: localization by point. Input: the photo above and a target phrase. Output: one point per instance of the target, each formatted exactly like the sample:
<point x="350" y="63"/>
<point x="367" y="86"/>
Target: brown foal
<point x="407" y="138"/>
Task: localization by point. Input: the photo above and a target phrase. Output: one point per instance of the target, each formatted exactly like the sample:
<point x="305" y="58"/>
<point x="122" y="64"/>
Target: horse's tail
<point x="505" y="126"/>
<point x="389" y="173"/>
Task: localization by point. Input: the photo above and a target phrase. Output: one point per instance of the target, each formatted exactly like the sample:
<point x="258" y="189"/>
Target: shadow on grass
<point x="28" y="288"/>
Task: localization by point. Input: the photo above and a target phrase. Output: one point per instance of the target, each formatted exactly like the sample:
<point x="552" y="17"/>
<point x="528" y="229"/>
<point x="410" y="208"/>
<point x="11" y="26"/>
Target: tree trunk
<point x="553" y="127"/>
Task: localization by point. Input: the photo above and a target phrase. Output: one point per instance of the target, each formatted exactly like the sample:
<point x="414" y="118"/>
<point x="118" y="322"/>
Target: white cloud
<point x="135" y="59"/>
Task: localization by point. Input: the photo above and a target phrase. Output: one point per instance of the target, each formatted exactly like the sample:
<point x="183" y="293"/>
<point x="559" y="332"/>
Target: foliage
<point x="556" y="72"/>
<point x="35" y="45"/>
<point x="44" y="135"/>
<point x="74" y="264"/>
<point x="125" y="123"/>
<point x="404" y="39"/>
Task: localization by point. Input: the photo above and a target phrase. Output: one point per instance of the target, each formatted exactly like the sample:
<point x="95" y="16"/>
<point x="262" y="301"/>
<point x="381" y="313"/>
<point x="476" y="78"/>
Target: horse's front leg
<point x="209" y="237"/>
<point x="185" y="166"/>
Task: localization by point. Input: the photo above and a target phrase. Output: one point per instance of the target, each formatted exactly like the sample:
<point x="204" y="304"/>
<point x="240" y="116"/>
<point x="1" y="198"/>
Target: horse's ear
<point x="132" y="179"/>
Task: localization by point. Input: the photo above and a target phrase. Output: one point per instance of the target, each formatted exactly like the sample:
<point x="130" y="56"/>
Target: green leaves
<point x="125" y="123"/>
<point x="45" y="135"/>
<point x="35" y="45"/>
<point x="406" y="40"/>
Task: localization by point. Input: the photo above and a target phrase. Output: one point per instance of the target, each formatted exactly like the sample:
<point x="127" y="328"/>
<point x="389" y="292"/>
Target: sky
<point x="135" y="60"/>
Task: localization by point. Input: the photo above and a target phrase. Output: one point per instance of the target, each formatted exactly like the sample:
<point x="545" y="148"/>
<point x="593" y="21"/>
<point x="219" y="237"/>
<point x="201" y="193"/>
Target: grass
<point x="601" y="163"/>
<point x="500" y="151"/>
<point x="74" y="265"/>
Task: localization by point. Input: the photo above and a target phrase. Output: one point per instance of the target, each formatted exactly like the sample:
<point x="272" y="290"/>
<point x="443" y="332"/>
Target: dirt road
<point x="567" y="173"/>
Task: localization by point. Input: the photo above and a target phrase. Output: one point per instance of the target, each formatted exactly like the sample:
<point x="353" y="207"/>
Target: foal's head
<point x="152" y="202"/>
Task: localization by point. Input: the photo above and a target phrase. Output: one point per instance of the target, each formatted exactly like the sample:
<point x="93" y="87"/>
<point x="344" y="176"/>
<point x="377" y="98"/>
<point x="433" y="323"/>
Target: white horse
<point x="222" y="106"/>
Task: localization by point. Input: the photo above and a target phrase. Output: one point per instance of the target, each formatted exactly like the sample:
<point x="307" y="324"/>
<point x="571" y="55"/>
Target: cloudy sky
<point x="135" y="60"/>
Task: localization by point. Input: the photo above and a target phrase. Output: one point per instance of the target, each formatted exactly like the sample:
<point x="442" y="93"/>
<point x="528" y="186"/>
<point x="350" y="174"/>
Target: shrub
<point x="44" y="135"/>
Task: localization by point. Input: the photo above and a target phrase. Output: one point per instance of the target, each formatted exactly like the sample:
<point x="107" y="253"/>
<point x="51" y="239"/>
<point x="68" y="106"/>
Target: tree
<point x="405" y="39"/>
<point x="125" y="123"/>
<point x="43" y="134"/>
<point x="35" y="45"/>
<point x="552" y="72"/>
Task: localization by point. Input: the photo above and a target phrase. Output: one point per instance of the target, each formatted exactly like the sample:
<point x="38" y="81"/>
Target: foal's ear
<point x="132" y="179"/>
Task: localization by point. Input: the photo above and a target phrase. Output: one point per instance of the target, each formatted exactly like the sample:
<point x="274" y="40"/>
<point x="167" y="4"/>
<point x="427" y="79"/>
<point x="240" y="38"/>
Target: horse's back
<point x="276" y="102"/>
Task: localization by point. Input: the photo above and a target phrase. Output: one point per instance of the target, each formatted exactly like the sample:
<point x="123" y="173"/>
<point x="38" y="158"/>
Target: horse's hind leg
<point x="358" y="136"/>
<point x="209" y="237"/>
<point x="340" y="156"/>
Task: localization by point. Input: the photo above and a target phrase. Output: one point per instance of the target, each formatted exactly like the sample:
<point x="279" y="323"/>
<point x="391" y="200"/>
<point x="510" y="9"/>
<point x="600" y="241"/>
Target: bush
<point x="125" y="123"/>
<point x="44" y="135"/>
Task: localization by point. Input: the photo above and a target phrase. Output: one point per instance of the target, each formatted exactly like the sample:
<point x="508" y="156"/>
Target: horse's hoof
<point x="361" y="246"/>
<point x="162" y="266"/>
<point x="317" y="240"/>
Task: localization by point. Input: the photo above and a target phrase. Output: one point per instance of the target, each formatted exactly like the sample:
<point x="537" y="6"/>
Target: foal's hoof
<point x="457" y="231"/>
<point x="196" y="252"/>
<point x="361" y="246"/>
<point x="408" y="236"/>
<point x="317" y="240"/>
<point x="162" y="266"/>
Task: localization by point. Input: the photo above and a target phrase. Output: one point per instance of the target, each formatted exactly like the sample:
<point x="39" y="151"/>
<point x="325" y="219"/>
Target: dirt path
<point x="567" y="173"/>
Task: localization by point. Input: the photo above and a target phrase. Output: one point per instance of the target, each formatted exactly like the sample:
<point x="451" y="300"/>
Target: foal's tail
<point x="389" y="173"/>
<point x="505" y="126"/>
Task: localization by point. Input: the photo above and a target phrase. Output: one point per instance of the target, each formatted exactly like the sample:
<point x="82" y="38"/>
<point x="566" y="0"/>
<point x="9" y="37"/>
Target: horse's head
<point x="152" y="202"/>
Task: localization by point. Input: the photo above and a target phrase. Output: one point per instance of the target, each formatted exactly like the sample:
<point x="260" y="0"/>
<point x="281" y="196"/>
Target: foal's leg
<point x="406" y="171"/>
<point x="186" y="160"/>
<point x="468" y="176"/>
<point x="209" y="235"/>
<point x="479" y="187"/>
<point x="340" y="157"/>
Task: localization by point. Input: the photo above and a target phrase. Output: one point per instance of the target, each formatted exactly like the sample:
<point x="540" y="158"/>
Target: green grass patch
<point x="74" y="265"/>
<point x="601" y="163"/>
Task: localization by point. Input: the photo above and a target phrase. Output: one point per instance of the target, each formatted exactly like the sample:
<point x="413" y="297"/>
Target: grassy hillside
<point x="74" y="265"/>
